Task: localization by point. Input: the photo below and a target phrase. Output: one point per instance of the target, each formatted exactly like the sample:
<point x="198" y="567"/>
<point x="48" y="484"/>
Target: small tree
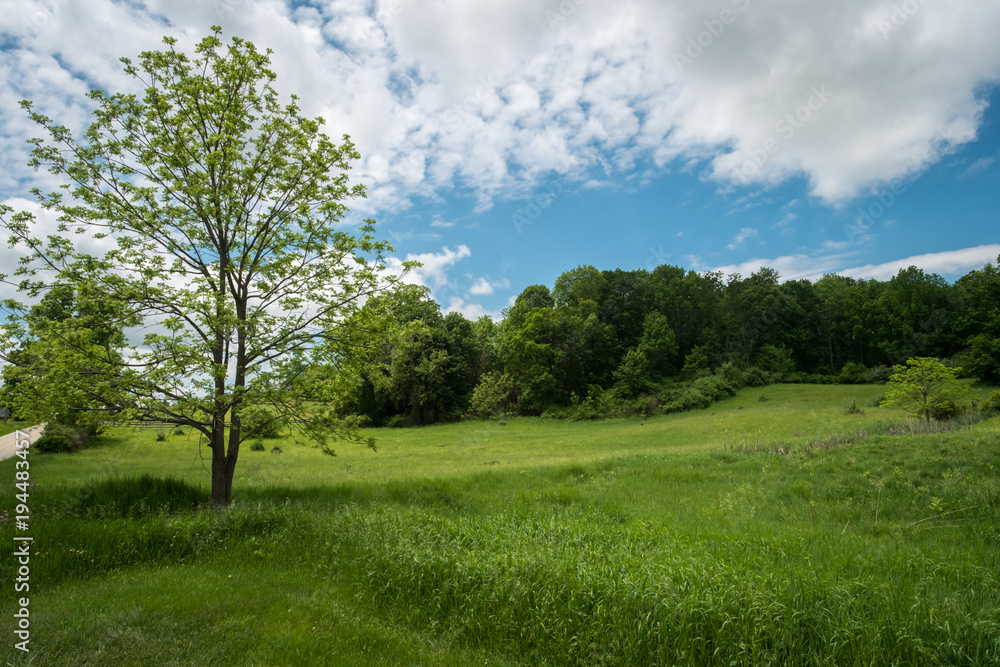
<point x="926" y="388"/>
<point x="221" y="206"/>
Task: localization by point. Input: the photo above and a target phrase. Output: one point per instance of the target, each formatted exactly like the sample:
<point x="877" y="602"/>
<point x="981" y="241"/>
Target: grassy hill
<point x="776" y="527"/>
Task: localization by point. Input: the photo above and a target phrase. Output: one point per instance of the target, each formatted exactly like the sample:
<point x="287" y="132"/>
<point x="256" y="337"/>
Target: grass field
<point x="773" y="528"/>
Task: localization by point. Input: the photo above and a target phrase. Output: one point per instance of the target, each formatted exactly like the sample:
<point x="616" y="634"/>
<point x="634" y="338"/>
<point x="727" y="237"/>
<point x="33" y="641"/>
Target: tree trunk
<point x="222" y="477"/>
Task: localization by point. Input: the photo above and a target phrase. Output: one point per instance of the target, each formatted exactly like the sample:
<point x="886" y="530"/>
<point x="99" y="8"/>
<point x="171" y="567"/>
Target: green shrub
<point x="853" y="373"/>
<point x="732" y="375"/>
<point x="53" y="443"/>
<point x="276" y="449"/>
<point x="755" y="377"/>
<point x="161" y="435"/>
<point x="992" y="404"/>
<point x="946" y="410"/>
<point x="260" y="423"/>
<point x="851" y="407"/>
<point x="59" y="437"/>
<point x="876" y="400"/>
<point x="257" y="446"/>
<point x="877" y="375"/>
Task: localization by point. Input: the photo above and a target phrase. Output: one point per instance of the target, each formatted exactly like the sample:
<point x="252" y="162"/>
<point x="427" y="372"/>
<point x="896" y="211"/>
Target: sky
<point x="506" y="142"/>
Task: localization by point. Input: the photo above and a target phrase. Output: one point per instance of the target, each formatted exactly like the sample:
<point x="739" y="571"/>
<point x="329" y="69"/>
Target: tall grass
<point x="881" y="550"/>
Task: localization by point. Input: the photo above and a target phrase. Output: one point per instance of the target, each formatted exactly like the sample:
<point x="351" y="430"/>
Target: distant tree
<point x="983" y="358"/>
<point x="926" y="388"/>
<point x="221" y="207"/>
<point x="494" y="395"/>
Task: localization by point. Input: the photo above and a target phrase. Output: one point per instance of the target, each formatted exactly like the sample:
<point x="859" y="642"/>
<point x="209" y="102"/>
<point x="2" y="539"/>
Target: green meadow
<point x="776" y="527"/>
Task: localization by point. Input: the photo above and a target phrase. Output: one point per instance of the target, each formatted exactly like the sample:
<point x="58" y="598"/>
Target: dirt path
<point x="8" y="442"/>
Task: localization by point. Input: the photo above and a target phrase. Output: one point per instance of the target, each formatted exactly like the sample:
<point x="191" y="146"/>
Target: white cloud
<point x="743" y="235"/>
<point x="482" y="287"/>
<point x="470" y="311"/>
<point x="785" y="224"/>
<point x="490" y="97"/>
<point x="948" y="263"/>
<point x="433" y="271"/>
<point x="977" y="167"/>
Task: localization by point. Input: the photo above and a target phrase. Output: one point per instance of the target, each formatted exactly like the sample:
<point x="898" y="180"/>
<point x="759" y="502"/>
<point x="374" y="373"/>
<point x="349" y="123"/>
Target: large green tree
<point x="221" y="207"/>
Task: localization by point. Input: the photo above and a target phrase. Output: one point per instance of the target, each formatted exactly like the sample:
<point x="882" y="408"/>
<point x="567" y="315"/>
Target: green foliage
<point x="851" y="407"/>
<point x="257" y="446"/>
<point x="222" y="208"/>
<point x="777" y="361"/>
<point x="260" y="422"/>
<point x="878" y="375"/>
<point x="992" y="404"/>
<point x="926" y="388"/>
<point x="60" y="438"/>
<point x="983" y="359"/>
<point x="695" y="364"/>
<point x="755" y="377"/>
<point x="853" y="373"/>
<point x="494" y="395"/>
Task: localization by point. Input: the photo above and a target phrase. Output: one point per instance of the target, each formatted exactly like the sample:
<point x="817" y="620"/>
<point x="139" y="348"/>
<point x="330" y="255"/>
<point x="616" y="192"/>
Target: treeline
<point x="600" y="343"/>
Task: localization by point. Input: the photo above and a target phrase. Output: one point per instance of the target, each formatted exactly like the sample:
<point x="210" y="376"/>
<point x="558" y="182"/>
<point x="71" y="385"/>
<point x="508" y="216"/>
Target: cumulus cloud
<point x="433" y="269"/>
<point x="482" y="287"/>
<point x="495" y="98"/>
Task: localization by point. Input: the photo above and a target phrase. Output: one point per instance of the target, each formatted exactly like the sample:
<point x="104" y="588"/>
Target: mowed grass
<point x="731" y="536"/>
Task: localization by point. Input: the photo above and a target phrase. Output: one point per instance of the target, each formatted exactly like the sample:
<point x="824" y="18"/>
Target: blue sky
<point x="504" y="143"/>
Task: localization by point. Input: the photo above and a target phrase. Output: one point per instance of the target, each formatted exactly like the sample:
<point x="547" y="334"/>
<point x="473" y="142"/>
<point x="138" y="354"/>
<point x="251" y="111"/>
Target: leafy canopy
<point x="218" y="207"/>
<point x="926" y="388"/>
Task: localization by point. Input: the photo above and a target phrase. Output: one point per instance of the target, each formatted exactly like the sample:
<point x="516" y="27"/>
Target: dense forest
<point x="601" y="343"/>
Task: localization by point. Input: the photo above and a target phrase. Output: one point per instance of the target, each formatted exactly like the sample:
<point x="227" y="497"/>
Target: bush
<point x="161" y="436"/>
<point x="878" y="375"/>
<point x="876" y="400"/>
<point x="59" y="437"/>
<point x="732" y="375"/>
<point x="276" y="449"/>
<point x="260" y="423"/>
<point x="257" y="446"/>
<point x="992" y="404"/>
<point x="53" y="443"/>
<point x="853" y="373"/>
<point x="946" y="410"/>
<point x="755" y="377"/>
<point x="851" y="407"/>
